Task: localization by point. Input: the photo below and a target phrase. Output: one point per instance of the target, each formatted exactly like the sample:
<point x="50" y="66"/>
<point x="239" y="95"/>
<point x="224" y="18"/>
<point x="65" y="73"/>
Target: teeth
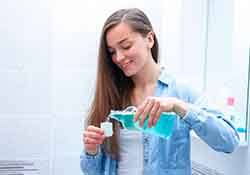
<point x="124" y="65"/>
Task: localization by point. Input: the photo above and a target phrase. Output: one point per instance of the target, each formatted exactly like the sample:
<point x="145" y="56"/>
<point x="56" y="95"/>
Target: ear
<point x="150" y="39"/>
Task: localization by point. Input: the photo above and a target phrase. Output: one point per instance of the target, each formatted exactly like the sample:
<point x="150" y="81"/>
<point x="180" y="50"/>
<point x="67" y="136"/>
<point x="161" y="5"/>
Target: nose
<point x="119" y="56"/>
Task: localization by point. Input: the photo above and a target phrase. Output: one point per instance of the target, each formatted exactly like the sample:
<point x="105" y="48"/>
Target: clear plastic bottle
<point x="163" y="127"/>
<point x="231" y="112"/>
<point x="235" y="117"/>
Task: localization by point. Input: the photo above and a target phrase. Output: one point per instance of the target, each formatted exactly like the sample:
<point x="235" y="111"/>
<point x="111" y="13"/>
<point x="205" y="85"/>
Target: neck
<point x="147" y="76"/>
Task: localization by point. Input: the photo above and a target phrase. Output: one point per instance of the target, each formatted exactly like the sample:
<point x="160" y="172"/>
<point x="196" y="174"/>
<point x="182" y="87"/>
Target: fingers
<point x="91" y="141"/>
<point x="92" y="128"/>
<point x="154" y="114"/>
<point x="93" y="132"/>
<point x="139" y="110"/>
<point x="92" y="137"/>
<point x="149" y="109"/>
<point x="145" y="112"/>
<point x="152" y="108"/>
<point x="157" y="116"/>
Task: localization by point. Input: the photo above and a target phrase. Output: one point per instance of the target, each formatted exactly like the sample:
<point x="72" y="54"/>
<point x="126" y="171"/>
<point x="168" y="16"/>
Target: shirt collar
<point x="164" y="77"/>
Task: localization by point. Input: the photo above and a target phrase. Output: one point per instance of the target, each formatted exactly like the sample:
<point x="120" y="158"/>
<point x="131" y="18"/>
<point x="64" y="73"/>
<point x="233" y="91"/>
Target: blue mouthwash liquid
<point x="163" y="127"/>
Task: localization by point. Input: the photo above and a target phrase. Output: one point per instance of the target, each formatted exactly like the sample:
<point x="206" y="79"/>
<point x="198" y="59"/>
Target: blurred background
<point x="48" y="54"/>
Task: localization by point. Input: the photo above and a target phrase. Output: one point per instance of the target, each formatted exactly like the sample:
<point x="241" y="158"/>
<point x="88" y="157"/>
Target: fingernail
<point x="154" y="123"/>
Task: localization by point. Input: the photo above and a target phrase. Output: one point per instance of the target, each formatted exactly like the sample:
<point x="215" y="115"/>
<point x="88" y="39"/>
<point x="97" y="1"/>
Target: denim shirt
<point x="172" y="156"/>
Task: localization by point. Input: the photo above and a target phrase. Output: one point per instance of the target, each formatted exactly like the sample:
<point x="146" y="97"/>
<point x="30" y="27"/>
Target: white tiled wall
<point x="48" y="52"/>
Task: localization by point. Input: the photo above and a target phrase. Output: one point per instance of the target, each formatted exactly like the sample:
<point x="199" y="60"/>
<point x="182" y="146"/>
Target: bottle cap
<point x="108" y="128"/>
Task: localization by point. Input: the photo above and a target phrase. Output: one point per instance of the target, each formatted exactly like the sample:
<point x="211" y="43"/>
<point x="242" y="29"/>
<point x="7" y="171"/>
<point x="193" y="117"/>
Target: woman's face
<point x="129" y="50"/>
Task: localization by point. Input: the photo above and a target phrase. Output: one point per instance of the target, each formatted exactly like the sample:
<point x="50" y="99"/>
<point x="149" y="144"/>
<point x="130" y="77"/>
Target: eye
<point x="126" y="47"/>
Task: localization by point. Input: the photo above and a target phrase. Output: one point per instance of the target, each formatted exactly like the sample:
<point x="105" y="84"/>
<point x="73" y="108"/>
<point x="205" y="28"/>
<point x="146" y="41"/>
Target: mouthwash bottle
<point x="236" y="118"/>
<point x="163" y="127"/>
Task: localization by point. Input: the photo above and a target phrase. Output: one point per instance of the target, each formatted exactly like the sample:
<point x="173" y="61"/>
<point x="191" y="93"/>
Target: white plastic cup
<point x="108" y="128"/>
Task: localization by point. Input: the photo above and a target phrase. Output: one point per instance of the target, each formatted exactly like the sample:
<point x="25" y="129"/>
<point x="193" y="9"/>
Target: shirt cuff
<point x="93" y="156"/>
<point x="194" y="116"/>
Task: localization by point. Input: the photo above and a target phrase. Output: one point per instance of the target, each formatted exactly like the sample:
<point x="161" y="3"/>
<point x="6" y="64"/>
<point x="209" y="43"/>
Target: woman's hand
<point x="154" y="106"/>
<point x="92" y="138"/>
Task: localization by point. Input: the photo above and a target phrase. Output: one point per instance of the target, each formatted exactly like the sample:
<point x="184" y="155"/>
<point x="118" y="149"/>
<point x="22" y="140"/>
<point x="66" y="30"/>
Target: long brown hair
<point x="113" y="88"/>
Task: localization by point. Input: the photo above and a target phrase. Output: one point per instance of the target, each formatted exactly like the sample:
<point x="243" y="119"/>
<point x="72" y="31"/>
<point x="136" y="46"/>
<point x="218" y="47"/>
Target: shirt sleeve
<point x="210" y="125"/>
<point x="92" y="164"/>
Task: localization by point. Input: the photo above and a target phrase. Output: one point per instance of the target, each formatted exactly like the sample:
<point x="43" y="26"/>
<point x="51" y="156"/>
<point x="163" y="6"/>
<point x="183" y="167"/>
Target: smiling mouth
<point x="126" y="64"/>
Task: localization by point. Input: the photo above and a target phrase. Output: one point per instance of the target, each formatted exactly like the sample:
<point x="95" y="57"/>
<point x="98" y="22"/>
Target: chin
<point x="129" y="73"/>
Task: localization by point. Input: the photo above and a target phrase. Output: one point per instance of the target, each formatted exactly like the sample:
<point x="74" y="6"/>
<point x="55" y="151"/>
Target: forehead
<point x="119" y="33"/>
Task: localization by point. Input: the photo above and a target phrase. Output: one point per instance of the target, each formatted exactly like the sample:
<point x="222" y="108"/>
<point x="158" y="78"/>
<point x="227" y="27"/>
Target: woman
<point x="129" y="74"/>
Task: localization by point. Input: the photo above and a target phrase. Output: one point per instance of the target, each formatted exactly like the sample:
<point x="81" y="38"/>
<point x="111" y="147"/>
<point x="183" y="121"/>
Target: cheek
<point x="138" y="55"/>
<point x="133" y="53"/>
